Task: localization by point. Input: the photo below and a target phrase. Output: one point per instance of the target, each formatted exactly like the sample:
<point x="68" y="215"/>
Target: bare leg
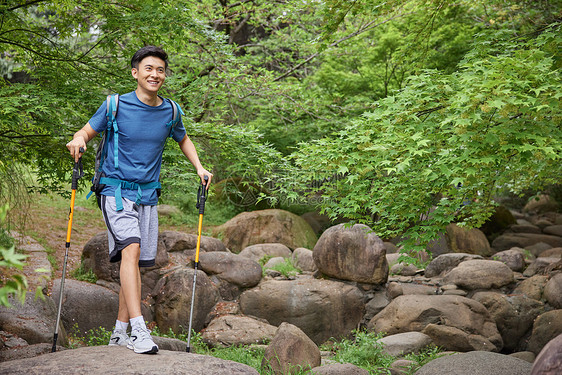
<point x="130" y="293"/>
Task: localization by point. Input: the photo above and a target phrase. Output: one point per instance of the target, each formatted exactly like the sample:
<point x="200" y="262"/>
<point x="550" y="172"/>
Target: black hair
<point x="149" y="51"/>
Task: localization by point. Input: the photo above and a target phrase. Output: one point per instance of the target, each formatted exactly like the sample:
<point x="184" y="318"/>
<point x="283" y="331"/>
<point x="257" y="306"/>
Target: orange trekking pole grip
<point x="201" y="198"/>
<point x="77" y="173"/>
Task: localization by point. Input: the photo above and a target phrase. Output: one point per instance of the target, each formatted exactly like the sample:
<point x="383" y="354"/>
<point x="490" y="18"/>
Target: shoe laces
<point x="142" y="333"/>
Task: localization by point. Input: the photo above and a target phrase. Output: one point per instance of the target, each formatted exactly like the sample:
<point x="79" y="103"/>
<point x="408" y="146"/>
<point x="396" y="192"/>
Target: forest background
<point x="402" y="115"/>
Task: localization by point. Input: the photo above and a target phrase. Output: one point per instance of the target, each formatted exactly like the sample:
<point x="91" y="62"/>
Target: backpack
<point x="99" y="181"/>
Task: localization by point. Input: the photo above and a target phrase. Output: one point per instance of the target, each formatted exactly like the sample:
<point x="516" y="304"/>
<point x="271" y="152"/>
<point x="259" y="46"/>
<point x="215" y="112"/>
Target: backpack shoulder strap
<point x="176" y="116"/>
<point x="111" y="115"/>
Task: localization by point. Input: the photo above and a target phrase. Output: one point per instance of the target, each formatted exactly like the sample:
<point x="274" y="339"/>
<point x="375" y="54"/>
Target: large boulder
<point x="102" y="360"/>
<point x="173" y="299"/>
<point x="513" y="258"/>
<point x="549" y="360"/>
<point x="290" y="352"/>
<point x="540" y="204"/>
<point x="480" y="274"/>
<point x="272" y="250"/>
<point x="230" y="267"/>
<point x="95" y="257"/>
<point x="500" y="220"/>
<point x="553" y="291"/>
<point x="34" y="321"/>
<point x="228" y="330"/>
<point x="471" y="241"/>
<point x="545" y="328"/>
<point x="476" y="363"/>
<point x="453" y="322"/>
<point x="351" y="253"/>
<point x="514" y="315"/>
<point x="266" y="226"/>
<point x="321" y="308"/>
<point x="175" y="241"/>
<point x="508" y="240"/>
<point x="89" y="306"/>
<point x="446" y="262"/>
<point x="532" y="287"/>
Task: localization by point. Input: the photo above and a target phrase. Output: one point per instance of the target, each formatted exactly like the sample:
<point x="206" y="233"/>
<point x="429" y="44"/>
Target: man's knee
<point x="131" y="253"/>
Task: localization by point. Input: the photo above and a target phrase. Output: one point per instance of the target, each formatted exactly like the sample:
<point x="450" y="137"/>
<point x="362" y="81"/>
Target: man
<point x="143" y="119"/>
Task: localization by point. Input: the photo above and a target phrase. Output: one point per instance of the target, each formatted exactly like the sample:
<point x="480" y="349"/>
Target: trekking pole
<point x="201" y="198"/>
<point x="77" y="172"/>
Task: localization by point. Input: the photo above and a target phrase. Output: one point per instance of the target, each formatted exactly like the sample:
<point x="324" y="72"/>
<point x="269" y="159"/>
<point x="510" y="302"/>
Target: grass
<point x="363" y="350"/>
<point x="81" y="274"/>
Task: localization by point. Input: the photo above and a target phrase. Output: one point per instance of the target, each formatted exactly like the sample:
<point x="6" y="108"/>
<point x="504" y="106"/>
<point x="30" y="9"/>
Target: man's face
<point x="150" y="74"/>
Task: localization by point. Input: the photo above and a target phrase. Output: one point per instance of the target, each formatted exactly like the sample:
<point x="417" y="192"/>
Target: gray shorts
<point x="134" y="224"/>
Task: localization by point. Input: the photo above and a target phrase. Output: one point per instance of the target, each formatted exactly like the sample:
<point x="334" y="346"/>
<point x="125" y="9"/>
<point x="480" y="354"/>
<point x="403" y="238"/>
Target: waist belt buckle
<point x="128" y="185"/>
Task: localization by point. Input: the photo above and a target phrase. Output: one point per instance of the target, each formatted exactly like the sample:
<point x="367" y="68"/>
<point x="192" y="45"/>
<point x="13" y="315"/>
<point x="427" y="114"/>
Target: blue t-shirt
<point x="142" y="136"/>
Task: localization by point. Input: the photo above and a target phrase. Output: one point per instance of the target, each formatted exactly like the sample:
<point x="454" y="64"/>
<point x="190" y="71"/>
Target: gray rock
<point x="376" y="304"/>
<point x="228" y="330"/>
<point x="553" y="291"/>
<point x="514" y="315"/>
<point x="545" y="328"/>
<point x="274" y="262"/>
<point x="339" y="369"/>
<point x="354" y="254"/>
<point x="95" y="257"/>
<point x="512" y="258"/>
<point x="304" y="260"/>
<point x="538" y="248"/>
<point x="453" y="322"/>
<point x="233" y="268"/>
<point x="549" y="360"/>
<point x="471" y="241"/>
<point x="446" y="262"/>
<point x="401" y="367"/>
<point x="166" y="343"/>
<point x="395" y="289"/>
<point x="101" y="360"/>
<point x="526" y="356"/>
<point x="257" y="252"/>
<point x="173" y="299"/>
<point x="27" y="351"/>
<point x="405" y="343"/>
<point x="266" y="226"/>
<point x="290" y="350"/>
<point x="87" y="305"/>
<point x="476" y="363"/>
<point x="439" y="246"/>
<point x="532" y="287"/>
<point x="321" y="308"/>
<point x="541" y="204"/>
<point x="34" y="321"/>
<point x="555" y="252"/>
<point x="175" y="241"/>
<point x="509" y="240"/>
<point x="525" y="228"/>
<point x="480" y="274"/>
<point x="555" y="230"/>
<point x="540" y="266"/>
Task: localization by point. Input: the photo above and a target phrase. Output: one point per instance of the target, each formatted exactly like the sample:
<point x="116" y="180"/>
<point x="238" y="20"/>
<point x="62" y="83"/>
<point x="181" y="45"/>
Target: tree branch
<point x="367" y="27"/>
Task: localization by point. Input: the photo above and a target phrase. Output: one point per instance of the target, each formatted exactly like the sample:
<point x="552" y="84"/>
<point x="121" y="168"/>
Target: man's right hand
<point x="74" y="147"/>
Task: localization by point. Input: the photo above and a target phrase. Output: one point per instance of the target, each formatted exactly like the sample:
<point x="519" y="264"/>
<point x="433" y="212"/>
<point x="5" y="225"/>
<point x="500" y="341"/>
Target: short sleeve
<point x="98" y="122"/>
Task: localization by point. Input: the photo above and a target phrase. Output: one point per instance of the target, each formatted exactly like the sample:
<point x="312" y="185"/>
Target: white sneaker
<point x="118" y="338"/>
<point x="141" y="342"/>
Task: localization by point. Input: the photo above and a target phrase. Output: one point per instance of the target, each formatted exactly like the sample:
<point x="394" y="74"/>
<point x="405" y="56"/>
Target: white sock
<point x="121" y="325"/>
<point x="138" y="322"/>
